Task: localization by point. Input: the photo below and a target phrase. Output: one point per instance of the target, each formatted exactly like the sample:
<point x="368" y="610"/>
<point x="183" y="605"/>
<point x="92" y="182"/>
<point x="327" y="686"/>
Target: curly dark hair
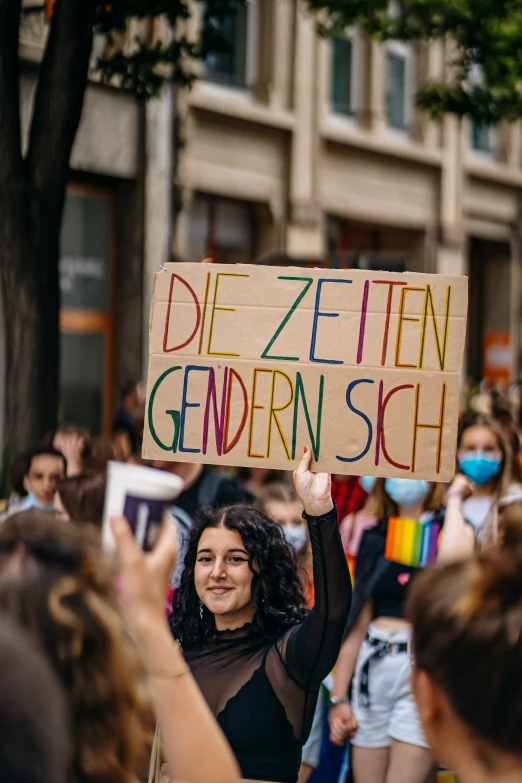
<point x="277" y="592"/>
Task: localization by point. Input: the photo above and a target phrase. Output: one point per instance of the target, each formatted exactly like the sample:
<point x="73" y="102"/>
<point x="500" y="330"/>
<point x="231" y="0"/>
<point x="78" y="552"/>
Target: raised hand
<point x="71" y="444"/>
<point x="314" y="489"/>
<point x="461" y="488"/>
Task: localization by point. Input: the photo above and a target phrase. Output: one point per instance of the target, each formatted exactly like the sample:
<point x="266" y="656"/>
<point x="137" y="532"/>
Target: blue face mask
<point x="406" y="492"/>
<point x="32" y="502"/>
<point x="479" y="467"/>
<point x="367" y="483"/>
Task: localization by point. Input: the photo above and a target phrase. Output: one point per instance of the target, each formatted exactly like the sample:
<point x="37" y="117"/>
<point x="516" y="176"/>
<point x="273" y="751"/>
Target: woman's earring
<point x="201" y="609"/>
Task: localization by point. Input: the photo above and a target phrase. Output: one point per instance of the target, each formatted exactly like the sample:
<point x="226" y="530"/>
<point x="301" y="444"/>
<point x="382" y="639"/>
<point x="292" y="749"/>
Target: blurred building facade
<point x="296" y="149"/>
<point x="289" y="149"/>
<point x="115" y="232"/>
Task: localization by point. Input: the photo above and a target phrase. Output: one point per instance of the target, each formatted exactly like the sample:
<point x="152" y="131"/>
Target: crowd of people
<point x="294" y="646"/>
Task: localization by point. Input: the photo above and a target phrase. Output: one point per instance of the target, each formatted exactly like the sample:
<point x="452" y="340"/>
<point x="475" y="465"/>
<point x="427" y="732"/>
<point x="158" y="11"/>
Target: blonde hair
<point x="54" y="583"/>
<point x="276" y="492"/>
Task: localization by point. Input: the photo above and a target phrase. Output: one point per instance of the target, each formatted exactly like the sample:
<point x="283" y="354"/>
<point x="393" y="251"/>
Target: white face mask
<point x="296" y="536"/>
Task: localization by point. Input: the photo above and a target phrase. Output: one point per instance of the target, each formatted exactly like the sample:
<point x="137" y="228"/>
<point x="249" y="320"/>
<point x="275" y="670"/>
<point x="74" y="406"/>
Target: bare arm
<point x="345" y="665"/>
<point x="341" y="719"/>
<point x="457" y="540"/>
<point x="186" y="723"/>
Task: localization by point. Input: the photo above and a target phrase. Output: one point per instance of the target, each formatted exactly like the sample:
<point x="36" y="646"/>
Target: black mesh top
<point x="264" y="693"/>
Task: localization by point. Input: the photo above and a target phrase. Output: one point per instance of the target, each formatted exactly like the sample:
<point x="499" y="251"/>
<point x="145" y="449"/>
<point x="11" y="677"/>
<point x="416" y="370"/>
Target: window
<point x="342" y="76"/>
<point x="86" y="315"/>
<point x="482" y="138"/>
<point x="230" y="65"/>
<point x="399" y="85"/>
<point x="482" y="135"/>
<point x="221" y="229"/>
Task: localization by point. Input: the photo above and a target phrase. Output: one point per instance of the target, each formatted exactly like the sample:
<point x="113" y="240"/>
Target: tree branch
<point x="62" y="81"/>
<point x="10" y="135"/>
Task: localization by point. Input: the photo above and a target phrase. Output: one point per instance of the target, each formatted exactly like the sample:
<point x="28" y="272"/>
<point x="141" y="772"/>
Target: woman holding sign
<point x="388" y="741"/>
<point x="240" y="615"/>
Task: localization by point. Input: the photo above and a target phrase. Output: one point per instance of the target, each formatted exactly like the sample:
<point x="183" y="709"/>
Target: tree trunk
<point x="31" y="308"/>
<point x="32" y="194"/>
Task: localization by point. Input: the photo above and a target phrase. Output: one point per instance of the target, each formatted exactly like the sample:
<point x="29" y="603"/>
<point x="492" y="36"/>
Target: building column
<point x="158" y="179"/>
<point x="515" y="304"/>
<point x="305" y="233"/>
<point x="451" y="252"/>
<point x="281" y="71"/>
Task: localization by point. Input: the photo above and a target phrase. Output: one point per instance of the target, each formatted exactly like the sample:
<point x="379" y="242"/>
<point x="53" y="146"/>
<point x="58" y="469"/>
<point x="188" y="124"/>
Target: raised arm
<point x="312" y="649"/>
<point x="185" y="720"/>
<point x="457" y="539"/>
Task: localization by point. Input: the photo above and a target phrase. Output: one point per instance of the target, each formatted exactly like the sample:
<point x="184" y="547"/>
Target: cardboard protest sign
<point x="248" y="364"/>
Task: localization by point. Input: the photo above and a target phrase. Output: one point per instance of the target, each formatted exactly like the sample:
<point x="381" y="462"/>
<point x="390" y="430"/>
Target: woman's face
<point x="223" y="578"/>
<point x="479" y="439"/>
<point x="290" y="517"/>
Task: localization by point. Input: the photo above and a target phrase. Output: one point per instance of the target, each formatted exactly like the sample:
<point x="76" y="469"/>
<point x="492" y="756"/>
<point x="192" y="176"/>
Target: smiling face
<point x="223" y="578"/>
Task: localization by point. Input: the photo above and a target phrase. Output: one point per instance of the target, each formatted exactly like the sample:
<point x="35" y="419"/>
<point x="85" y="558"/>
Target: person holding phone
<point x="240" y="616"/>
<point x="56" y="584"/>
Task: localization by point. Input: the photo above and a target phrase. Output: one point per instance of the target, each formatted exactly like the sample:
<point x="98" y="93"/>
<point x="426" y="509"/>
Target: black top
<point x="390" y="590"/>
<point x="264" y="692"/>
<point x="373" y="572"/>
<point x="226" y="493"/>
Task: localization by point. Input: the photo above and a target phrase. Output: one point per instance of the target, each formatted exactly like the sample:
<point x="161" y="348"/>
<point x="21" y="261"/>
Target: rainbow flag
<point x="411" y="543"/>
<point x="447" y="777"/>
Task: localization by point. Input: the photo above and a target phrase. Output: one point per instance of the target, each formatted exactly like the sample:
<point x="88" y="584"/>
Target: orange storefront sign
<point x="498" y="356"/>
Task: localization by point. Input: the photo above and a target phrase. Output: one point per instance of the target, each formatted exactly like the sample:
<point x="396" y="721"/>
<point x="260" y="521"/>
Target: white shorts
<point x="392" y="713"/>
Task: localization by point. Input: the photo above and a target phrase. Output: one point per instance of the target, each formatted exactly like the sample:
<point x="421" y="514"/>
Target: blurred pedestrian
<point x="484" y="457"/>
<point x="355" y="523"/>
<point x="255" y="480"/>
<point x="380" y="717"/>
<point x="348" y="494"/>
<point x="35" y="745"/>
<point x="102" y="453"/>
<point x="241" y="618"/>
<point x="55" y="583"/>
<point x="75" y="444"/>
<point x="281" y="503"/>
<point x="42" y="469"/>
<point x="467" y="642"/>
<point x="80" y="499"/>
<point x="127" y="441"/>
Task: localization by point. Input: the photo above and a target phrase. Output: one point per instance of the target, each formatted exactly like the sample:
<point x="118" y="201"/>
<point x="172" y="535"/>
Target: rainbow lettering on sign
<point x="447" y="777"/>
<point x="412" y="543"/>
